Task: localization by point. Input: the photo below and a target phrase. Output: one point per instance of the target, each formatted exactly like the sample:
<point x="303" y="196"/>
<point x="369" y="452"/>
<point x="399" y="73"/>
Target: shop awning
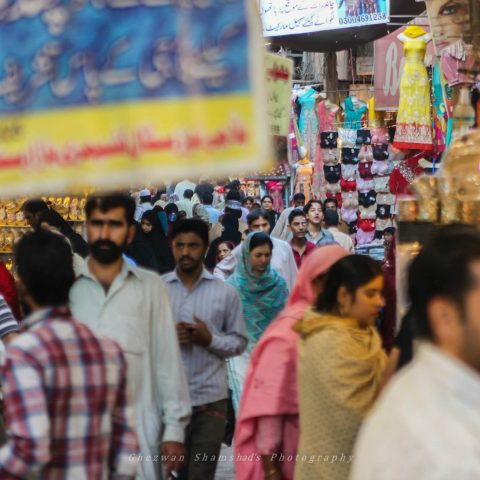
<point x="350" y="37"/>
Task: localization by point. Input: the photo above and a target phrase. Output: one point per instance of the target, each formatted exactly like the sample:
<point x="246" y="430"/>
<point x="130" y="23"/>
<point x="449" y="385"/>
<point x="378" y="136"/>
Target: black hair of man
<point x="330" y="200"/>
<point x="256" y="214"/>
<point x="207" y="198"/>
<point x="331" y="218"/>
<point x="188" y="194"/>
<point x="442" y="269"/>
<point x="108" y="202"/>
<point x="309" y="205"/>
<point x="299" y="197"/>
<point x="248" y="199"/>
<point x="297" y="212"/>
<point x="192" y="225"/>
<point x="233" y="195"/>
<point x="45" y="266"/>
<point x="34" y="206"/>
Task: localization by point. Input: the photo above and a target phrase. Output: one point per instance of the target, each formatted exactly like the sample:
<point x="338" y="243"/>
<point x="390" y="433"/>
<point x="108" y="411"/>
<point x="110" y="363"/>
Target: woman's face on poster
<point x="449" y="20"/>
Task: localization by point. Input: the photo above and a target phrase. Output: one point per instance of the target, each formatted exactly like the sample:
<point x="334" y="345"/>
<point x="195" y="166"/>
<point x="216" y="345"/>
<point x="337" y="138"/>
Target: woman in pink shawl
<point x="266" y="437"/>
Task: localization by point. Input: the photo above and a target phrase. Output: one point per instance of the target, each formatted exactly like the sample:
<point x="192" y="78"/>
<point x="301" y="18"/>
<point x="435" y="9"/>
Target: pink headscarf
<point x="270" y="387"/>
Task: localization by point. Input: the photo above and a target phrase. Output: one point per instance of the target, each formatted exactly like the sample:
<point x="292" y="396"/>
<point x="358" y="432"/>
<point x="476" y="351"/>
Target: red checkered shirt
<point x="66" y="403"/>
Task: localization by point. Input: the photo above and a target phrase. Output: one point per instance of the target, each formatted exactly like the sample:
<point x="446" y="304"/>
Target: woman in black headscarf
<point x="152" y="229"/>
<point x="229" y="234"/>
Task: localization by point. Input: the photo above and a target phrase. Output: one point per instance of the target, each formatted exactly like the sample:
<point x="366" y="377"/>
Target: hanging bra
<point x="368" y="213"/>
<point x="350" y="155"/>
<point x="333" y="187"/>
<point x="328" y="139"/>
<point x="384" y="211"/>
<point x="381" y="168"/>
<point x="366" y="154"/>
<point x="367" y="224"/>
<point x="386" y="199"/>
<point x="365" y="170"/>
<point x="348" y="185"/>
<point x="381" y="224"/>
<point x="350" y="200"/>
<point x="367" y="199"/>
<point x="365" y="185"/>
<point x="330" y="157"/>
<point x="379" y="135"/>
<point x="336" y="196"/>
<point x="364" y="137"/>
<point x="364" y="238"/>
<point x="349" y="172"/>
<point x="380" y="152"/>
<point x="381" y="184"/>
<point x="332" y="173"/>
<point x="347" y="136"/>
<point x="349" y="215"/>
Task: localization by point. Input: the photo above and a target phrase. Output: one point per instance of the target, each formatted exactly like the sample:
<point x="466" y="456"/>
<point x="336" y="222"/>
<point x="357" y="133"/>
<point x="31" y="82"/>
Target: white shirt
<point x="141" y="209"/>
<point x="185" y="205"/>
<point x="182" y="186"/>
<point x="342" y="239"/>
<point x="282" y="261"/>
<point x="426" y="425"/>
<point x="136" y="314"/>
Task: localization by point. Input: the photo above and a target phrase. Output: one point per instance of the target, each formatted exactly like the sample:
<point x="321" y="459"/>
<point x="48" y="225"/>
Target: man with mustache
<point x="130" y="305"/>
<point x="210" y="328"/>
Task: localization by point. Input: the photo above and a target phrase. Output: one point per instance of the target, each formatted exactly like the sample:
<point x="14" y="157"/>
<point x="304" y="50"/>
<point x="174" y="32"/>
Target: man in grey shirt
<point x="210" y="328"/>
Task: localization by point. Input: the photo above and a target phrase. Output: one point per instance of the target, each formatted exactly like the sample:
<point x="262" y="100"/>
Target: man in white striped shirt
<point x="210" y="328"/>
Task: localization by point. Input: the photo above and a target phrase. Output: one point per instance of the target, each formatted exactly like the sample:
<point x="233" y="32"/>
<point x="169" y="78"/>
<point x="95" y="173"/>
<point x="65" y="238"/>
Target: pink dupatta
<point x="270" y="387"/>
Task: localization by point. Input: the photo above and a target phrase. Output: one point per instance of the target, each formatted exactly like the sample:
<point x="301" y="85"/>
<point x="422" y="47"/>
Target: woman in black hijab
<point x="230" y="234"/>
<point x="154" y="234"/>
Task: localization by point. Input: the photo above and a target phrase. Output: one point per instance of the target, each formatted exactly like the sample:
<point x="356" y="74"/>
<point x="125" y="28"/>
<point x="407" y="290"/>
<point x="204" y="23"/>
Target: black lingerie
<point x="332" y="173"/>
<point x="328" y="139"/>
<point x="367" y="199"/>
<point x="384" y="211"/>
<point x="380" y="152"/>
<point x="350" y="155"/>
<point x="364" y="137"/>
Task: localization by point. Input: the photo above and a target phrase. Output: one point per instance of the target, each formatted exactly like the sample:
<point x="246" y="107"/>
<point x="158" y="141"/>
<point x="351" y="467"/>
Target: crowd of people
<point x="184" y="316"/>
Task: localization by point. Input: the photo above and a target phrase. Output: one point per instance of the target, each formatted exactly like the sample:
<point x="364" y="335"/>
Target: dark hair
<point x="442" y="269"/>
<point x="34" y="206"/>
<point x="192" y="225"/>
<point x="54" y="219"/>
<point x="233" y="195"/>
<point x="309" y="205"/>
<point x="331" y="218"/>
<point x="207" y="198"/>
<point x="329" y="200"/>
<point x="256" y="214"/>
<point x="390" y="230"/>
<point x="297" y="212"/>
<point x="267" y="196"/>
<point x="145" y="198"/>
<point x="45" y="266"/>
<point x="350" y="272"/>
<point x="247" y="199"/>
<point x="188" y="193"/>
<point x="299" y="196"/>
<point x="259" y="239"/>
<point x="235" y="184"/>
<point x="108" y="202"/>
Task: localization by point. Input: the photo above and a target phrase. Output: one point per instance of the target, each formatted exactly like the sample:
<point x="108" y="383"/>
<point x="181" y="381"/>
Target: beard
<point x="106" y="251"/>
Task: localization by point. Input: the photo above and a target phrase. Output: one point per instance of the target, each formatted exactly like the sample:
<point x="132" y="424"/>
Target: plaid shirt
<point x="66" y="403"/>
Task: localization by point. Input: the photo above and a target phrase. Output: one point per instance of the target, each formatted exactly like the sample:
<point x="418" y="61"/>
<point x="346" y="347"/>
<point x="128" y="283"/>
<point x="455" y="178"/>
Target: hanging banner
<point x="108" y="93"/>
<point x="279" y="90"/>
<point x="286" y="17"/>
<point x="450" y="24"/>
<point x="389" y="59"/>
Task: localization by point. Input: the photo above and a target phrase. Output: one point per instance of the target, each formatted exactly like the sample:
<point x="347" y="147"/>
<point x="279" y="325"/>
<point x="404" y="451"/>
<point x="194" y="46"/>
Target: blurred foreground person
<point x="340" y="367"/>
<point x="130" y="305"/>
<point x="65" y="389"/>
<point x="268" y="418"/>
<point x="427" y="422"/>
<point x="263" y="293"/>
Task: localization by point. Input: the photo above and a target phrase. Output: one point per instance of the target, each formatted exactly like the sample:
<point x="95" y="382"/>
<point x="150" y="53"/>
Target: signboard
<point x="293" y="17"/>
<point x="389" y="60"/>
<point x="110" y="93"/>
<point x="279" y="91"/>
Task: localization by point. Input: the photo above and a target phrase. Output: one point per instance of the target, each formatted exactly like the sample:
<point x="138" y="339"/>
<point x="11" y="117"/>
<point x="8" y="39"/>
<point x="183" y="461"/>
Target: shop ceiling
<point x="402" y="11"/>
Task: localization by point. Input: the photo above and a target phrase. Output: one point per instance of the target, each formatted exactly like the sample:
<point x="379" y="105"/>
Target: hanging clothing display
<point x="414" y="124"/>
<point x="353" y="116"/>
<point x="308" y="123"/>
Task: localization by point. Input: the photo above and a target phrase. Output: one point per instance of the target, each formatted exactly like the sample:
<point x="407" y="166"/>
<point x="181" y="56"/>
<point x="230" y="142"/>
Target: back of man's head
<point x="188" y="194"/>
<point x="207" y="198"/>
<point x="107" y="202"/>
<point x="233" y="195"/>
<point x="331" y="218"/>
<point x="45" y="267"/>
<point x="299" y="198"/>
<point x="34" y="206"/>
<point x="443" y="270"/>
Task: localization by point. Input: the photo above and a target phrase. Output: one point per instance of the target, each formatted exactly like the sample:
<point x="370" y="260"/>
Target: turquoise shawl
<point x="263" y="296"/>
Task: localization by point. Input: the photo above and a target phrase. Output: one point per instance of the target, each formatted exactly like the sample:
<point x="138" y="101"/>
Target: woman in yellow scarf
<point x="340" y="367"/>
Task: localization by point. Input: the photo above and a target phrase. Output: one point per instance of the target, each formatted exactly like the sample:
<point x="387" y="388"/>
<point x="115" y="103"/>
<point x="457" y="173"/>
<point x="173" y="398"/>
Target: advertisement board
<point x="293" y="17"/>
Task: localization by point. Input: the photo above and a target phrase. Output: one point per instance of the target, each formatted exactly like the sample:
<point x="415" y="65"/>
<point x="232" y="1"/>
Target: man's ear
<point x="445" y="323"/>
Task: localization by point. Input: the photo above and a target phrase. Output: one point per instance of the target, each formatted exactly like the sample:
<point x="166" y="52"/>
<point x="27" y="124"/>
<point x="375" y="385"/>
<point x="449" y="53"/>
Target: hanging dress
<point x="308" y="123"/>
<point x="353" y="116"/>
<point x="414" y="122"/>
